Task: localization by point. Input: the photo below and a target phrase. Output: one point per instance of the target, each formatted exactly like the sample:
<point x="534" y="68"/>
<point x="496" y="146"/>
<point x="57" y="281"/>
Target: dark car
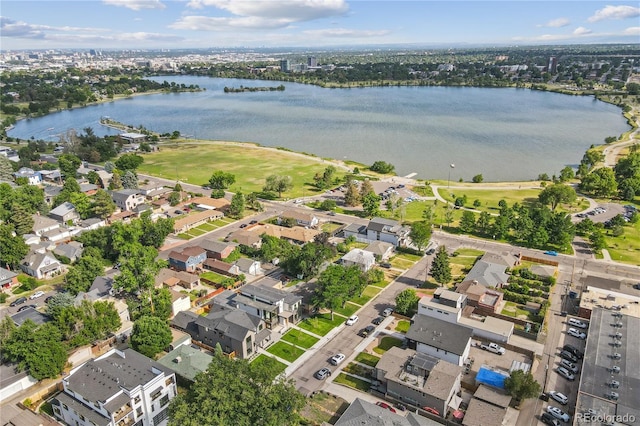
<point x="25" y="307"/>
<point x="548" y="419"/>
<point x="322" y="374"/>
<point x="569" y="356"/>
<point x="253" y="222"/>
<point x="366" y="331"/>
<point x="48" y="299"/>
<point x="385" y="265"/>
<point x="575" y="351"/>
<point x="244" y="225"/>
<point x="378" y="320"/>
<point x="18" y="301"/>
<point x="636" y="286"/>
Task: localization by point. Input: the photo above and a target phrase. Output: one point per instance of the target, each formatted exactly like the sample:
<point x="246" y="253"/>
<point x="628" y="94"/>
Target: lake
<point x="504" y="134"/>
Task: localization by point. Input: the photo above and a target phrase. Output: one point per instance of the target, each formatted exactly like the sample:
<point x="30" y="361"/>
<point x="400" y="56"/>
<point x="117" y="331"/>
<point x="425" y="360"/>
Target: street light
<point x="451" y="166"/>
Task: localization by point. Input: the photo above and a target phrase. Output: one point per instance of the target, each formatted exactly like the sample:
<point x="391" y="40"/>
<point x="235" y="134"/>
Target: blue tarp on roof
<point x="490" y="377"/>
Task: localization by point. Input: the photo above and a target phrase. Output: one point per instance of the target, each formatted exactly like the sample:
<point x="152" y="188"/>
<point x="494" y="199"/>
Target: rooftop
<point x="594" y="297"/>
<point x="186" y="361"/>
<point x="362" y="413"/>
<point x="480" y="413"/>
<point x="441" y="334"/>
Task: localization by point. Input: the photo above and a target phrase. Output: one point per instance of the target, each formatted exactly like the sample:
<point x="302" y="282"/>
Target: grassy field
<point x="353" y="382"/>
<point x="367" y="359"/>
<point x="275" y="366"/>
<point x="348" y="309"/>
<point x="213" y="276"/>
<point x="194" y="163"/>
<point x="285" y="351"/>
<point x="369" y="293"/>
<point x="387" y="343"/>
<point x="323" y="408"/>
<point x="403" y="326"/>
<point x="321" y="324"/>
<point x="300" y="338"/>
<point x="513" y="310"/>
<point x="625" y="248"/>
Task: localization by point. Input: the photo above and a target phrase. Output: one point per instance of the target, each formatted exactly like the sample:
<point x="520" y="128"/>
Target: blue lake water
<point x="503" y="134"/>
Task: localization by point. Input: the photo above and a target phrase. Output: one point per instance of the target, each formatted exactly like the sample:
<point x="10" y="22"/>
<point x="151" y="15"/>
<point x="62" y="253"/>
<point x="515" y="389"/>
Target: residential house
<point x="37" y="317"/>
<point x="118" y="388"/>
<point x="43" y="224"/>
<point x="71" y="250"/>
<point x="442" y="339"/>
<point x="31" y="239"/>
<point x="239" y="333"/>
<point x="153" y="190"/>
<point x="224" y="268"/>
<point x="188" y="259"/>
<point x="57" y="235"/>
<point x="362" y="412"/>
<point x="300" y="218"/>
<point x="445" y="305"/>
<point x="64" y="213"/>
<point x="274" y="306"/>
<point x="170" y="278"/>
<point x="127" y="199"/>
<point x="381" y="250"/>
<point x="92" y="223"/>
<point x="488" y="407"/>
<point x="419" y="379"/>
<point x="249" y="267"/>
<point x="364" y="260"/>
<point x="51" y="176"/>
<point x="50" y="193"/>
<point x="40" y="266"/>
<point x="8" y="280"/>
<point x="208" y="203"/>
<point x="89" y="188"/>
<point x="490" y="270"/>
<point x="387" y="230"/>
<point x="217" y="249"/>
<point x="12" y="381"/>
<point x="297" y="234"/>
<point x="245" y="237"/>
<point x="187" y="361"/>
<point x="479" y="296"/>
<point x="179" y="302"/>
<point x="33" y="177"/>
<point x="183" y="224"/>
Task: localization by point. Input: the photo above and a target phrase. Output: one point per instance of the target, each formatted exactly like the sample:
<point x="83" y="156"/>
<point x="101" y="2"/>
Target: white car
<point x="575" y="333"/>
<point x="560" y="397"/>
<point x="387" y="312"/>
<point x="558" y="413"/>
<point x="566" y="374"/>
<point x="337" y="359"/>
<point x="36" y="295"/>
<point x="352" y="320"/>
<point x="569" y="365"/>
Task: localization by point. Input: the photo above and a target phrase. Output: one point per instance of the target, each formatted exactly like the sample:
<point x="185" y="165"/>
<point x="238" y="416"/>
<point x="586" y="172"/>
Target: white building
<point x="119" y="388"/>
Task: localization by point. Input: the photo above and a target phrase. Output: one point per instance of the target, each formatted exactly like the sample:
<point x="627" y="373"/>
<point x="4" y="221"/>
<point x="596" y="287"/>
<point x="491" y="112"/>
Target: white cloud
<point x="581" y="31"/>
<point x="615" y="12"/>
<point x="290" y="10"/>
<point x="19" y="29"/>
<point x="632" y="31"/>
<point x="204" y="23"/>
<point x="136" y="4"/>
<point x="556" y="23"/>
<point x="346" y="33"/>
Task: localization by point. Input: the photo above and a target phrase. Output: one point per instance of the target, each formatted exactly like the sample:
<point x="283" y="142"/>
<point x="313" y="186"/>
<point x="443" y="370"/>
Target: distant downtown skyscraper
<point x="285" y="65"/>
<point x="552" y="66"/>
<point x="312" y="61"/>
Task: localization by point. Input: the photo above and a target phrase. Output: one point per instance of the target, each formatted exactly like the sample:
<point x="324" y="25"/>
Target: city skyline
<point x="160" y="24"/>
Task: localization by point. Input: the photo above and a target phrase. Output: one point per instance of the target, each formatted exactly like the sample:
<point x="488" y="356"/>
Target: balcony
<point x="123" y="411"/>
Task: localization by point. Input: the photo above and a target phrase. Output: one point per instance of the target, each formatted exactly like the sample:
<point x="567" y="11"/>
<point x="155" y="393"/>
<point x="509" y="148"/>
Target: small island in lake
<point x="253" y="89"/>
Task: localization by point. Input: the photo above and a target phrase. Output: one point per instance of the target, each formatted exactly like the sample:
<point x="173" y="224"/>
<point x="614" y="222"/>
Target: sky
<point x="179" y="24"/>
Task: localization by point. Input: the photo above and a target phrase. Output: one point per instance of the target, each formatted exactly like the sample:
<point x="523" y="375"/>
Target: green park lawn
<point x="299" y="338"/>
<point x="194" y="163"/>
<point x="285" y="351"/>
<point x="321" y="324"/>
<point x="625" y="248"/>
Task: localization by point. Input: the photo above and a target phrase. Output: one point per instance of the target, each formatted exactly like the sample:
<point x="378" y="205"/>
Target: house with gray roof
<point x="187" y="361"/>
<point x="388" y="230"/>
<point x="364" y="260"/>
<point x="71" y="250"/>
<point x="40" y="265"/>
<point x="43" y="224"/>
<point x="8" y="279"/>
<point x="442" y="339"/>
<point x="37" y="317"/>
<point x="419" y="379"/>
<point x="490" y="270"/>
<point x="238" y="332"/>
<point x="115" y="389"/>
<point x="361" y="412"/>
<point x="127" y="199"/>
<point x="217" y="249"/>
<point x="381" y="250"/>
<point x="51" y="192"/>
<point x="33" y="177"/>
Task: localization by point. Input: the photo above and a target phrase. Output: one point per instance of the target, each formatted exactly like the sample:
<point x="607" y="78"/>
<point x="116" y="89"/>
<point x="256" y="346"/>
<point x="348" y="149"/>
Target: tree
<point x="484" y="222"/>
<point x="103" y="205"/>
<point x="371" y="204"/>
<point x="138" y="265"/>
<point x="407" y="302"/>
<point x="328" y="205"/>
<point x="351" y="195"/>
<point x="94" y="178"/>
<point x="116" y="182"/>
<point x="109" y="166"/>
<point x="420" y="234"/>
<point x="382" y="167"/>
<point x="597" y="240"/>
<point x="221" y="180"/>
<point x="521" y="385"/>
<point x="58" y="302"/>
<point x="12" y="247"/>
<point x="235" y="392"/>
<point x="82" y="204"/>
<point x="21" y="219"/>
<point x="236" y="208"/>
<point x="150" y="335"/>
<point x="6" y="170"/>
<point x="477" y="179"/>
<point x="336" y="284"/>
<point x="440" y="268"/>
<point x="278" y="183"/>
<point x="468" y="221"/>
<point x="600" y="182"/>
<point x="325" y="180"/>
<point x="129" y="180"/>
<point x="366" y="188"/>
<point x="566" y="174"/>
<point x="38" y="349"/>
<point x="129" y="162"/>
<point x="81" y="276"/>
<point x="7" y="326"/>
<point x="556" y="194"/>
<point x="69" y="164"/>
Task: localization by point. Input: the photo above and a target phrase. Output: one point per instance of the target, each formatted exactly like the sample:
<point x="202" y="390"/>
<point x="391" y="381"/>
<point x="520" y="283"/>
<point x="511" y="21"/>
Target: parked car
<point x="575" y="333"/>
<point x="577" y="323"/>
<point x="253" y="222"/>
<point x="18" y="301"/>
<point x="385" y="265"/>
<point x="337" y="359"/>
<point x="568" y="355"/>
<point x="322" y="374"/>
<point x="25" y="307"/>
<point x="431" y="410"/>
<point x="37" y="294"/>
<point x="566" y="374"/>
<point x="577" y="352"/>
<point x="366" y="331"/>
<point x="559" y="397"/>
<point x="386" y="406"/>
<point x="352" y="320"/>
<point x="551" y="253"/>
<point x="493" y="347"/>
<point x="548" y="419"/>
<point x="569" y="365"/>
<point x="387" y="312"/>
<point x="48" y="299"/>
<point x="378" y="320"/>
<point x="558" y="413"/>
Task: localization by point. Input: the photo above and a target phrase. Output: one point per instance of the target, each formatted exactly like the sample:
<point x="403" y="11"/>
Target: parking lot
<point x="482" y="357"/>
